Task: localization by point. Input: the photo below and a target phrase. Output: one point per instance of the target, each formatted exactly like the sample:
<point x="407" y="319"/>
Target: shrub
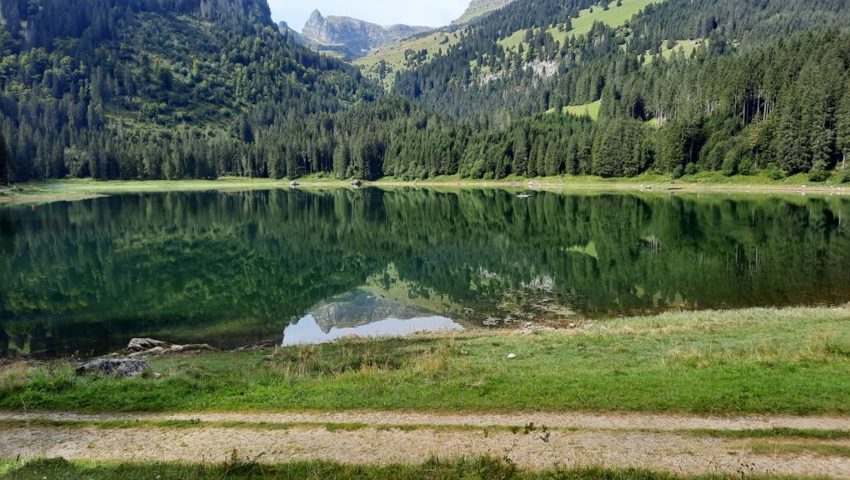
<point x="678" y="172"/>
<point x="775" y="173"/>
<point x="818" y="175"/>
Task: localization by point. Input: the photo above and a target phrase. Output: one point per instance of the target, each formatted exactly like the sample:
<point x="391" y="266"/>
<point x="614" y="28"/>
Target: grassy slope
<point x="588" y="109"/>
<point x="248" y="470"/>
<point x="792" y="361"/>
<point x="394" y="54"/>
<point x="685" y="47"/>
<point x="615" y="16"/>
<point x="470" y="15"/>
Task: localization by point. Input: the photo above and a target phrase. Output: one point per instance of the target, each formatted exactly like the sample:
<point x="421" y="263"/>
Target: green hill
<point x="204" y="88"/>
<point x="151" y="88"/>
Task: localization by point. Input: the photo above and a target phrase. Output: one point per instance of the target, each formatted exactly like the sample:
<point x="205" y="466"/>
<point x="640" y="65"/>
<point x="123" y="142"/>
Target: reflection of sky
<point x="307" y="331"/>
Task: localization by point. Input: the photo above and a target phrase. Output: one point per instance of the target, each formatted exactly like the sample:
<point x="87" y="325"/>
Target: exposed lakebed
<point x="234" y="268"/>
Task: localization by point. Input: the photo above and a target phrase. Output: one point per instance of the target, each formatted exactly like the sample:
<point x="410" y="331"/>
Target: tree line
<point x="137" y="90"/>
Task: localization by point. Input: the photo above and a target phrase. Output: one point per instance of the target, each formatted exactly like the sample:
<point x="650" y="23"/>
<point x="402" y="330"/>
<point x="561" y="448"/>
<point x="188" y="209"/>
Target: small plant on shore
<point x="237" y="465"/>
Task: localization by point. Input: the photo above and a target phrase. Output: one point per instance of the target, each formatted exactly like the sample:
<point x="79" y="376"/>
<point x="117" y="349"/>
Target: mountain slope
<point x="479" y="8"/>
<point x="354" y="37"/>
<point x="534" y="54"/>
<point x="153" y="89"/>
<point x="130" y="88"/>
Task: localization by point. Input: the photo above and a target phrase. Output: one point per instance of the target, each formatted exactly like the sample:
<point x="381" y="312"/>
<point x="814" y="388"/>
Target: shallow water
<point x="235" y="268"/>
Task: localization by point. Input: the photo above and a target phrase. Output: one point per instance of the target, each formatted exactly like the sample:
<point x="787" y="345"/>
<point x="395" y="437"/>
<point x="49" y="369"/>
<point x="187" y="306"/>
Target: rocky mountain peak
<point x="355" y="37"/>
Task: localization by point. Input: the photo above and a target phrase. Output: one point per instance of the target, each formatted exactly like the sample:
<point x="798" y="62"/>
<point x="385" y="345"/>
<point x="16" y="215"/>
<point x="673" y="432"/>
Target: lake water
<point x="291" y="267"/>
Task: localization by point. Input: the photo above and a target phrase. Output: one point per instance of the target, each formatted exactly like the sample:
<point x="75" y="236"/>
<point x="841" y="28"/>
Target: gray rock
<point x="114" y="367"/>
<point x="144" y="344"/>
<point x="203" y="347"/>
<point x="356" y="37"/>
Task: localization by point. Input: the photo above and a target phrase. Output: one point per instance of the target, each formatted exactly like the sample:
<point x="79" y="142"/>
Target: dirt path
<point x="658" y="442"/>
<point x="572" y="420"/>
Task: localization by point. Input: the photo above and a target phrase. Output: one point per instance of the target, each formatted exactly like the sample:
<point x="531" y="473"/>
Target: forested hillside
<point x="197" y="88"/>
<point x="154" y="88"/>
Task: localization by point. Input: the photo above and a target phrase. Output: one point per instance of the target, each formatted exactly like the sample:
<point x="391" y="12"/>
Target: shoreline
<point x="777" y="353"/>
<point x="76" y="190"/>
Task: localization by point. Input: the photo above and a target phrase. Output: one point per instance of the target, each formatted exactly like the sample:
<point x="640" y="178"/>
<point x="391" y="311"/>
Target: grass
<point x="394" y="54"/>
<point x="816" y="449"/>
<point x="80" y="189"/>
<point x="613" y="17"/>
<point x="685" y="47"/>
<point x="587" y="110"/>
<point x="790" y="361"/>
<point x="249" y="469"/>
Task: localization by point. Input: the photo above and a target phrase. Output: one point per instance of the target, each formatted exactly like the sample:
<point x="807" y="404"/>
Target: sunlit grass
<point x="614" y="16"/>
<point x="248" y="469"/>
<point x="791" y="361"/>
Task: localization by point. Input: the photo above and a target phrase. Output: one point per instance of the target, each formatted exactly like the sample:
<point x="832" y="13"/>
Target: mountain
<point x="154" y="88"/>
<point x="479" y="8"/>
<point x="203" y="88"/>
<point x="356" y="37"/>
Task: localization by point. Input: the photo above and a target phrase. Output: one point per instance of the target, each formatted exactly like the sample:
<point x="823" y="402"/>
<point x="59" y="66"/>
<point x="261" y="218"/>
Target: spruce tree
<point x="4" y="161"/>
<point x="843" y="127"/>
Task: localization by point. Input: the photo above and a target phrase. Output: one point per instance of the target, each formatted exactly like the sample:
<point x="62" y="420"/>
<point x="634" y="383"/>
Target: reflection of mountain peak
<point x="358" y="308"/>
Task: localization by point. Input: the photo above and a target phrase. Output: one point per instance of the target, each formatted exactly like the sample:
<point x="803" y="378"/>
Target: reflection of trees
<point x="230" y="267"/>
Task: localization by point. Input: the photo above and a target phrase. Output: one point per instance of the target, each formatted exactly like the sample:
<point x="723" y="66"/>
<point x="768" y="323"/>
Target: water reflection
<point x="363" y="314"/>
<point x="233" y="268"/>
<point x="308" y="331"/>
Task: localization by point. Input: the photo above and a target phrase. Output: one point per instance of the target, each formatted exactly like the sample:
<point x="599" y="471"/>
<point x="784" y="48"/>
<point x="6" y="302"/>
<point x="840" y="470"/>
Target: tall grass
<point x="792" y="361"/>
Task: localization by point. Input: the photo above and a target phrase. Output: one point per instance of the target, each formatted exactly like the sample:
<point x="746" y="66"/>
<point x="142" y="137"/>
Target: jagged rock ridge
<point x="358" y="37"/>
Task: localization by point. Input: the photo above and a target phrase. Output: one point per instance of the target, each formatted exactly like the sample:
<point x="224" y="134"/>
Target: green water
<point x="237" y="268"/>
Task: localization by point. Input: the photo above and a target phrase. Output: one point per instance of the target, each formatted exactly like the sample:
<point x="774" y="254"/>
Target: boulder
<point x="114" y="367"/>
<point x="203" y="347"/>
<point x="144" y="344"/>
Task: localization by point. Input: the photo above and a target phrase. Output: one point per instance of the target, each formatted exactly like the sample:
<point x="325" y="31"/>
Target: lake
<point x="290" y="266"/>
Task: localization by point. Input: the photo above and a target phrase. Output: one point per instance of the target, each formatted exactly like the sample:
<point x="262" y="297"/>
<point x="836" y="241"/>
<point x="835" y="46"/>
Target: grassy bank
<point x="76" y="189"/>
<point x="792" y="361"/>
<point x="248" y="470"/>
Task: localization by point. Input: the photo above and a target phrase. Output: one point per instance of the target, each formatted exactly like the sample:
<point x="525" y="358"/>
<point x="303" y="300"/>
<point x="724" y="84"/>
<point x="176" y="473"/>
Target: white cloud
<point x="434" y="13"/>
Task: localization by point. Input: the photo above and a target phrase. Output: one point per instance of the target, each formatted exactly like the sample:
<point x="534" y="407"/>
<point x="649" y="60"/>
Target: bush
<point x="818" y="175"/>
<point x="691" y="169"/>
<point x="730" y="166"/>
<point x="775" y="173"/>
<point x="844" y="176"/>
<point x="678" y="172"/>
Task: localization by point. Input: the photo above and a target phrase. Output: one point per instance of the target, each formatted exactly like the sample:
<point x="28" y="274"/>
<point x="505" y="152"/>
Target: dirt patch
<point x="658" y="442"/>
<point x="564" y="421"/>
<point x="659" y="451"/>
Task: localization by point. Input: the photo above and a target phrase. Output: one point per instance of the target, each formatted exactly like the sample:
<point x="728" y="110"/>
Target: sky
<point x="431" y="13"/>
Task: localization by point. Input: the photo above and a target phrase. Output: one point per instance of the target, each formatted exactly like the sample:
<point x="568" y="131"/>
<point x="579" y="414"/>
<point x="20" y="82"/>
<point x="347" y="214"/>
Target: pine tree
<point x="4" y="161"/>
<point x="843" y="126"/>
<point x="520" y="149"/>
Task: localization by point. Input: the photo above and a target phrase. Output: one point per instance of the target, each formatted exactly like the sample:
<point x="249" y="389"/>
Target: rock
<point x="144" y="344"/>
<point x="203" y="347"/>
<point x="146" y="347"/>
<point x="150" y="353"/>
<point x="511" y="356"/>
<point x="355" y="36"/>
<point x="114" y="367"/>
<point x="573" y="325"/>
